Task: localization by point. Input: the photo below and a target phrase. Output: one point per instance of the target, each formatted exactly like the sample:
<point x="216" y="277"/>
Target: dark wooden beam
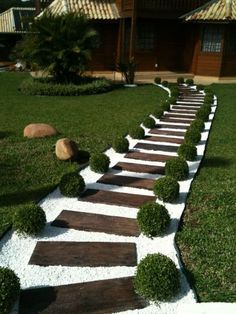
<point x="133" y="30"/>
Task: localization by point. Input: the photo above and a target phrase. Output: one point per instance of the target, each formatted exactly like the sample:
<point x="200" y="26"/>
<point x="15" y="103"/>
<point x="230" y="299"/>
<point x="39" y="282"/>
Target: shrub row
<point x="149" y="123"/>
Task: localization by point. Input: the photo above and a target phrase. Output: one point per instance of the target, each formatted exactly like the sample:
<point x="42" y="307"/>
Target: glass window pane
<point x="212" y="39"/>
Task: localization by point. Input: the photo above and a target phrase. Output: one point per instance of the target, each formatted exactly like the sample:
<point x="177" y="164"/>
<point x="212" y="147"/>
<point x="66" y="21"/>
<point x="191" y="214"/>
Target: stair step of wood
<point x="133" y="182"/>
<point x="139" y="168"/>
<point x="183" y="107"/>
<point x="103" y="296"/>
<point x="190" y="104"/>
<point x="97" y="223"/>
<point x="83" y="254"/>
<point x="164" y="139"/>
<point x="166" y="132"/>
<point x="116" y="198"/>
<point x="180" y="111"/>
<point x="148" y="157"/>
<point x="171" y="126"/>
<point x="179" y="116"/>
<point x="183" y="121"/>
<point x="156" y="147"/>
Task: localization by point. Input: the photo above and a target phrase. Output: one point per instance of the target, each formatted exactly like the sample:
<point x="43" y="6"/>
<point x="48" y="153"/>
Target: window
<point x="145" y="37"/>
<point x="212" y="39"/>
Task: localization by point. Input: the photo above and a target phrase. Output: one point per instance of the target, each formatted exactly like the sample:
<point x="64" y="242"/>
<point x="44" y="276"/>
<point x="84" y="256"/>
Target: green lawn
<point x="207" y="239"/>
<point x="29" y="168"/>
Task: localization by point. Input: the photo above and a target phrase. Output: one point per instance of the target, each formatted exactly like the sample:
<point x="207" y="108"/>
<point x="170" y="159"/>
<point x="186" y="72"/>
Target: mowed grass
<point x="207" y="239"/>
<point x="28" y="167"/>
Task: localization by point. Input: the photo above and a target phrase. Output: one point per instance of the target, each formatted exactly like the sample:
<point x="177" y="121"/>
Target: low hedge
<point x="200" y="87"/>
<point x="197" y="124"/>
<point x="29" y="219"/>
<point x="9" y="289"/>
<point x="177" y="168"/>
<point x="153" y="219"/>
<point x="187" y="151"/>
<point x="158" y="113"/>
<point x="157" y="80"/>
<point x="120" y="145"/>
<point x="208" y="89"/>
<point x="157" y="278"/>
<point x="203" y="112"/>
<point x="72" y="185"/>
<point x="172" y="100"/>
<point x="189" y="82"/>
<point x="180" y="80"/>
<point x="137" y="133"/>
<point x="166" y="189"/>
<point x="192" y="136"/>
<point x="165" y="105"/>
<point x="49" y="88"/>
<point x="149" y="123"/>
<point x="99" y="163"/>
<point x="165" y="83"/>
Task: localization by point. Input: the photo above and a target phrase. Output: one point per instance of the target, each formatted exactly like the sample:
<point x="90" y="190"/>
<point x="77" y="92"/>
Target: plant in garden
<point x="157" y="278"/>
<point x="158" y="113"/>
<point x="149" y="123"/>
<point x="166" y="189"/>
<point x="9" y="289"/>
<point x="29" y="219"/>
<point x="187" y="151"/>
<point x="72" y="184"/>
<point x="157" y="80"/>
<point x="127" y="70"/>
<point x="208" y="89"/>
<point x="165" y="83"/>
<point x="189" y="82"/>
<point x="165" y="105"/>
<point x="197" y="124"/>
<point x="99" y="163"/>
<point x="192" y="136"/>
<point x="172" y="100"/>
<point x="180" y="80"/>
<point x="200" y="87"/>
<point x="177" y="168"/>
<point x="59" y="44"/>
<point x="137" y="133"/>
<point x="153" y="219"/>
<point x="120" y="145"/>
<point x="203" y="112"/>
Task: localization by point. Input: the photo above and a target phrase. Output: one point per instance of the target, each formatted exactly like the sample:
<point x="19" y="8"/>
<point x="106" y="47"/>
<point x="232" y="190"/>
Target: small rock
<point x="35" y="130"/>
<point x="66" y="149"/>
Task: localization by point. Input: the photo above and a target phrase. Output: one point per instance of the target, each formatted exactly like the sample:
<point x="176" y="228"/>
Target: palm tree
<point x="61" y="45"/>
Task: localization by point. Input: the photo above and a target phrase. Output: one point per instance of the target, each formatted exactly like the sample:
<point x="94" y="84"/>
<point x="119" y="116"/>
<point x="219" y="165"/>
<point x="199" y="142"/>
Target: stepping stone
<point x="164" y="148"/>
<point x="172" y="115"/>
<point x="92" y="254"/>
<point x="103" y="296"/>
<point x="180" y="107"/>
<point x="125" y="166"/>
<point x="191" y="104"/>
<point x="183" y="121"/>
<point x="166" y="132"/>
<point x="133" y="182"/>
<point x="171" y="126"/>
<point x="97" y="223"/>
<point x="116" y="198"/>
<point x="148" y="157"/>
<point x="180" y="111"/>
<point x="164" y="139"/>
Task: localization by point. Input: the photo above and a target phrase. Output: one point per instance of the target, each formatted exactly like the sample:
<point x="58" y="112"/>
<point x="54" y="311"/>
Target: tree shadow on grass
<point x="216" y="162"/>
<point x="5" y="134"/>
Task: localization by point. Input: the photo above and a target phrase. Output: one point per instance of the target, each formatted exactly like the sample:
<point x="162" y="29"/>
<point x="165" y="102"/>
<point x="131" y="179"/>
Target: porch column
<point x="133" y="30"/>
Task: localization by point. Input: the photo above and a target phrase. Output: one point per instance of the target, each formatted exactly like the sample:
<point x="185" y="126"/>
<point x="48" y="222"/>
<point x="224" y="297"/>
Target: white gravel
<point x="16" y="251"/>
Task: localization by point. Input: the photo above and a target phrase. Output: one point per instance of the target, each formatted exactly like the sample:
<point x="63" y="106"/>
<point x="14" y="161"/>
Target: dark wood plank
<point x="164" y="139"/>
<point x="97" y="223"/>
<point x="148" y="157"/>
<point x="133" y="182"/>
<point x="125" y="166"/>
<point x="166" y="132"/>
<point x="171" y="126"/>
<point x="183" y="107"/>
<point x="185" y="103"/>
<point x="156" y="147"/>
<point x="115" y="198"/>
<point x="179" y="111"/>
<point x="93" y="254"/>
<point x="96" y="297"/>
<point x="171" y="120"/>
<point x="179" y="116"/>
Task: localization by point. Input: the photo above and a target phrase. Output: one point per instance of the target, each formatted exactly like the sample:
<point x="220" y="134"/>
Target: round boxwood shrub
<point x="9" y="289"/>
<point x="165" y="83"/>
<point x="187" y="151"/>
<point x="174" y="92"/>
<point x="189" y="82"/>
<point x="200" y="87"/>
<point x="207" y="90"/>
<point x="157" y="278"/>
<point x="166" y="189"/>
<point x="158" y="113"/>
<point x="197" y="124"/>
<point x="192" y="136"/>
<point x="72" y="185"/>
<point x="208" y="100"/>
<point x="157" y="80"/>
<point x="180" y="80"/>
<point x="177" y="168"/>
<point x="165" y="105"/>
<point x="149" y="123"/>
<point x="99" y="163"/>
<point x="120" y="145"/>
<point x="172" y="100"/>
<point x="153" y="219"/>
<point x="29" y="219"/>
<point x="203" y="112"/>
<point x="137" y="133"/>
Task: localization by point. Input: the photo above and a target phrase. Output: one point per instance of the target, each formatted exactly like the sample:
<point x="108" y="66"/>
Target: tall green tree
<point x="61" y="45"/>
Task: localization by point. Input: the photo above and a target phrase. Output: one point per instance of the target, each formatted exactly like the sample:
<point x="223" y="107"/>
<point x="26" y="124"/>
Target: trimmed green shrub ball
<point x="72" y="184"/>
<point x="180" y="80"/>
<point x="165" y="105"/>
<point x="165" y="83"/>
<point x="158" y="113"/>
<point x="203" y="112"/>
<point x="174" y="92"/>
<point x="208" y="89"/>
<point x="208" y="100"/>
<point x="177" y="168"/>
<point x="153" y="219"/>
<point x="197" y="124"/>
<point x="120" y="145"/>
<point x="157" y="278"/>
<point x="29" y="219"/>
<point x="189" y="82"/>
<point x="200" y="87"/>
<point x="99" y="163"/>
<point x="157" y="80"/>
<point x="187" y="151"/>
<point x="9" y="289"/>
<point x="166" y="189"/>
<point x="172" y="100"/>
<point x="137" y="133"/>
<point x="192" y="136"/>
<point x="149" y="123"/>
